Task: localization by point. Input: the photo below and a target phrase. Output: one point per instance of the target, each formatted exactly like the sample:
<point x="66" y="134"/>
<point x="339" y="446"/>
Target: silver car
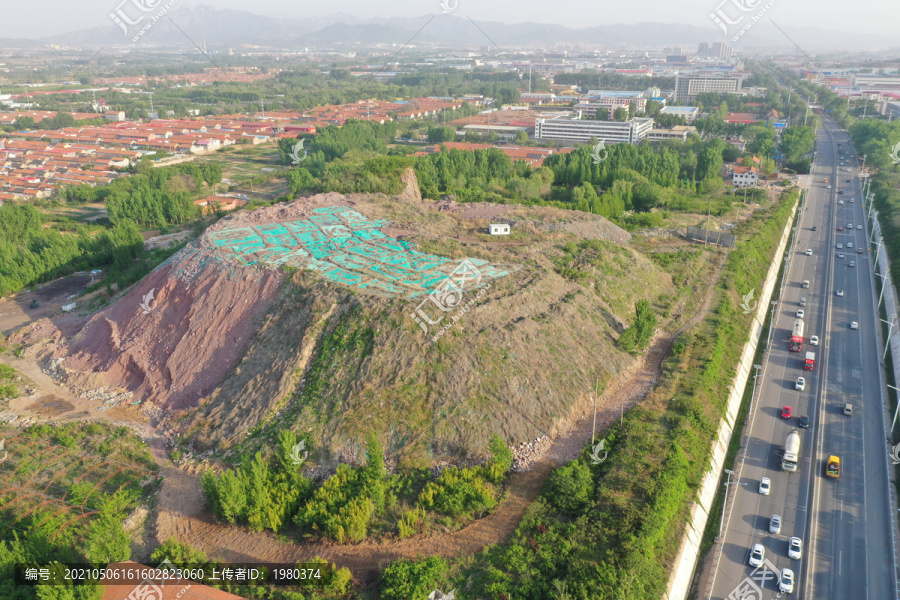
<point x="757" y="555"/>
<point x="775" y="524"/>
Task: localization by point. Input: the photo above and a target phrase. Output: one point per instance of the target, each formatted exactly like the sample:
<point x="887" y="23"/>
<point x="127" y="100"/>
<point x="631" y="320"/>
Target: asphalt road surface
<point x="845" y="523"/>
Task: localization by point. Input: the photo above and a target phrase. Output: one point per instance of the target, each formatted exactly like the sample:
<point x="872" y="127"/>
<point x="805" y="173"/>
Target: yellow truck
<point x="833" y="469"/>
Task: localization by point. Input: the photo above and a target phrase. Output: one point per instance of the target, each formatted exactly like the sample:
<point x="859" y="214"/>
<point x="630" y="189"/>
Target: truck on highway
<point x="797" y="335"/>
<point x="791" y="451"/>
<point x="833" y="468"/>
<point x="810" y="361"/>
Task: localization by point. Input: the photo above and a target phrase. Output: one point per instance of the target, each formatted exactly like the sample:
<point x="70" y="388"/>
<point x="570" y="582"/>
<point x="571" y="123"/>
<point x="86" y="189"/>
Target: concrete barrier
<point x="686" y="561"/>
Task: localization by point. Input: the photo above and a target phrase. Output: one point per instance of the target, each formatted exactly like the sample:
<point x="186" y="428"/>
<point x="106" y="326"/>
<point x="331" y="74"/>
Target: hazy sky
<point x="37" y="18"/>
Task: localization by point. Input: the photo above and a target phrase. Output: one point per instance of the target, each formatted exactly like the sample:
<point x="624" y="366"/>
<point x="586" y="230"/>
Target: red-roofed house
<point x="743" y="177"/>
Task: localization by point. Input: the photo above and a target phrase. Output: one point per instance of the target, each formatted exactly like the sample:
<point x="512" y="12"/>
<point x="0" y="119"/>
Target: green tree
<point x="571" y="487"/>
<point x="620" y="114"/>
<point x="406" y="579"/>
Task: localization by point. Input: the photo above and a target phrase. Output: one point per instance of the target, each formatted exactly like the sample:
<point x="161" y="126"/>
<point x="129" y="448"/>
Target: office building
<point x="689" y="85"/>
<point x="574" y="129"/>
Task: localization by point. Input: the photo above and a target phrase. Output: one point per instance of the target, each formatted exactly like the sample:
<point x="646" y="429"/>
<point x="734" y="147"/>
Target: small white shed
<point x="499" y="229"/>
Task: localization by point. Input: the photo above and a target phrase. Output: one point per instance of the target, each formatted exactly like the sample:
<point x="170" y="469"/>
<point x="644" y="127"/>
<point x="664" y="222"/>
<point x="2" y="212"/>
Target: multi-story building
<point x="688" y="85"/>
<point x="572" y="128"/>
<point x="876" y="82"/>
<point x="743" y="177"/>
<point x="720" y="50"/>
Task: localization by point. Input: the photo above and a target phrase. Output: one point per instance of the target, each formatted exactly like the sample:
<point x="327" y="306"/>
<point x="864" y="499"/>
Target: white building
<point x="688" y="112"/>
<point x="499" y="229"/>
<point x="743" y="177"/>
<point x="689" y="85"/>
<point x="574" y="129"/>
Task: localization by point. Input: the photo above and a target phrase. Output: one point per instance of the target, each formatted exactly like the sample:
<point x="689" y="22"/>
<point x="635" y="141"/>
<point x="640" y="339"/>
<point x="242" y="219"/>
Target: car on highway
<point x="804" y="422"/>
<point x="786" y="583"/>
<point x="854" y="325"/>
<point x="849" y="225"/>
<point x="839" y="293"/>
<point x="800" y="313"/>
<point x="841" y="192"/>
<point x="757" y="555"/>
<point x="840" y="246"/>
<point x="851" y="202"/>
<point x="809" y="251"/>
<point x="795" y="548"/>
<point x="814" y="340"/>
<point x="801" y="384"/>
<point x="852" y="263"/>
<point x="828" y="187"/>
<point x="775" y="524"/>
<point x="840" y="201"/>
<point x="848" y="409"/>
<point x="847" y="181"/>
<point x="859" y="226"/>
<point x="815" y="227"/>
<point x="765" y="486"/>
<point x="840" y="255"/>
<point x="786" y="410"/>
<point x="849" y="244"/>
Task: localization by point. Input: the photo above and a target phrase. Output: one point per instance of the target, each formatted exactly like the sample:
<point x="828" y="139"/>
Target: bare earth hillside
<point x="338" y="315"/>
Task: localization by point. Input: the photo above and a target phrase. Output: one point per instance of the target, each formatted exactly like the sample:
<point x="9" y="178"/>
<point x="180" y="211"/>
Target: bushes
<point x="412" y="579"/>
<point x="638" y="336"/>
<point x="458" y="493"/>
<point x="571" y="487"/>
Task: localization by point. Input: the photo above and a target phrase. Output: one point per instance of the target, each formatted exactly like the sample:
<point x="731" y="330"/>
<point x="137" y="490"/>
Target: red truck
<point x="810" y="361"/>
<point x="797" y="336"/>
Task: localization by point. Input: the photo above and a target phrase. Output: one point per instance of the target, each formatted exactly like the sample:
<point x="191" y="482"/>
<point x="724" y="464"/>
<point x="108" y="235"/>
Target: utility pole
<point x="728" y="472"/>
<point x="887" y="340"/>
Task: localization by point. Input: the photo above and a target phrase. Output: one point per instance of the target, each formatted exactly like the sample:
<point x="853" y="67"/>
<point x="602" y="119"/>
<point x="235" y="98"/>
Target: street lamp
<point x="729" y="472"/>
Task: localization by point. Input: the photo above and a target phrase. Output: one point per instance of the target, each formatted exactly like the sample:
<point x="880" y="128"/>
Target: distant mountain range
<point x="221" y="29"/>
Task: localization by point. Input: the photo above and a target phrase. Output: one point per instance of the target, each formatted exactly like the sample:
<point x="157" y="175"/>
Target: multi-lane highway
<point x="845" y="523"/>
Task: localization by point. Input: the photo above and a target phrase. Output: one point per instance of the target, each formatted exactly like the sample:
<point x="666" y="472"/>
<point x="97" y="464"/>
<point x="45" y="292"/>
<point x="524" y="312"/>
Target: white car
<point x="828" y="187"/>
<point x="858" y="226"/>
<point x="765" y="486"/>
<point x="795" y="548"/>
<point x="849" y="244"/>
<point x="849" y="225"/>
<point x="840" y="201"/>
<point x="839" y="293"/>
<point x="757" y="555"/>
<point x="775" y="524"/>
<point x="800" y="313"/>
<point x="854" y="325"/>
<point x="852" y="263"/>
<point x="814" y="340"/>
<point x="801" y="384"/>
<point x="809" y="251"/>
<point x="851" y="202"/>
<point x="840" y="255"/>
<point x="840" y="246"/>
<point x="786" y="584"/>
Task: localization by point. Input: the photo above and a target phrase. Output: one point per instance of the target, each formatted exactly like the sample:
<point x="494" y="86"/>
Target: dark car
<point x="848" y="181"/>
<point x="815" y="227"/>
<point x="804" y="422"/>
